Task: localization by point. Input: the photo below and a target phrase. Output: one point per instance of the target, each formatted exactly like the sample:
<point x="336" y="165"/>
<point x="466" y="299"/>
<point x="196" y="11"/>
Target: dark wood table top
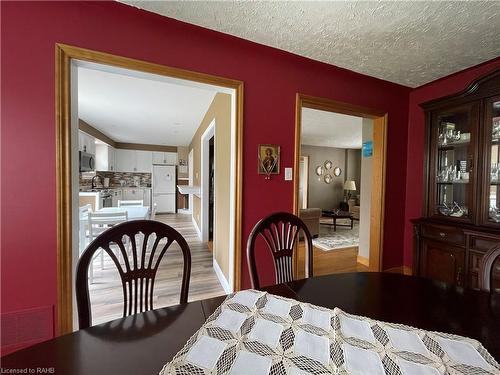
<point x="337" y="214"/>
<point x="143" y="343"/>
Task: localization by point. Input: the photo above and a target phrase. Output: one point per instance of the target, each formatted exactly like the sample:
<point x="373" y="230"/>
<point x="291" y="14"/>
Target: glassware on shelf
<point x="495" y="214"/>
<point x="452" y="174"/>
<point x="450" y="136"/>
<point x="495" y="134"/>
<point x="494" y="170"/>
<point x="453" y="210"/>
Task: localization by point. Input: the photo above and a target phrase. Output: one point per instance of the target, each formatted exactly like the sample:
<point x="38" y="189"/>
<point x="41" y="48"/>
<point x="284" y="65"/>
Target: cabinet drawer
<point x="483" y="243"/>
<point x="443" y="233"/>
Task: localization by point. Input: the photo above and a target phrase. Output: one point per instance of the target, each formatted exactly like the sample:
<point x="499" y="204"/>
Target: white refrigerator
<point x="164" y="188"/>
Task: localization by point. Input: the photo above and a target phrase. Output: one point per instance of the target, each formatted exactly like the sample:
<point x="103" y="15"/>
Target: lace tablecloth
<point x="255" y="332"/>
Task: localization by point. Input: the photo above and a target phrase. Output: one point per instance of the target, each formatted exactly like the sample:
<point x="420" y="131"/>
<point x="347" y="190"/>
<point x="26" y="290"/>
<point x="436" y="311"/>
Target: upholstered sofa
<point x="353" y="209"/>
<point x="310" y="217"/>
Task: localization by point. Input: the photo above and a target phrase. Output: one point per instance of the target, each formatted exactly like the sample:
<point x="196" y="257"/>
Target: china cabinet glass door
<point x="491" y="195"/>
<point x="452" y="183"/>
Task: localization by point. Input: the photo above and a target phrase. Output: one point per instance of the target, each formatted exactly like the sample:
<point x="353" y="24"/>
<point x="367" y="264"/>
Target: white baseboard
<point x="196" y="227"/>
<point x="221" y="277"/>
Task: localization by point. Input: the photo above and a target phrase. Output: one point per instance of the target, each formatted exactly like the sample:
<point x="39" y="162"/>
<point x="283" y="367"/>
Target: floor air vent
<point x="26" y="327"/>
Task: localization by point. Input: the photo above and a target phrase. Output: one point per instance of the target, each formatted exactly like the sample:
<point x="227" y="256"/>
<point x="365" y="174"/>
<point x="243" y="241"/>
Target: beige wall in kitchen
<point x="182" y="154"/>
<point x="220" y="110"/>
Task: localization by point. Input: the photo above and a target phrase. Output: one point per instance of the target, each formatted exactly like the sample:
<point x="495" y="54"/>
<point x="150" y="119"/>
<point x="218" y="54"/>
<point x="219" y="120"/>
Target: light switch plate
<point x="288" y="174"/>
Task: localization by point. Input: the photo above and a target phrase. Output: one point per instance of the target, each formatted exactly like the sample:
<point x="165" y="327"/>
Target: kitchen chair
<point x="137" y="273"/>
<point x="489" y="270"/>
<point x="279" y="231"/>
<point x="83" y="217"/>
<point x="131" y="203"/>
<point x="98" y="222"/>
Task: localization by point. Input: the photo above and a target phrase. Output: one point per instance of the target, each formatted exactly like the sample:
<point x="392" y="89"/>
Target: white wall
<point x="365" y="194"/>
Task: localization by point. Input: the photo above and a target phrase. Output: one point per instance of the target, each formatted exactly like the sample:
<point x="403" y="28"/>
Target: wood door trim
<point x="64" y="54"/>
<point x="379" y="150"/>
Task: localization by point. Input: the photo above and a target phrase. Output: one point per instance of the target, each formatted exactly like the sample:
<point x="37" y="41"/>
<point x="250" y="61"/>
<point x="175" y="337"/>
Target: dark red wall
<point x="272" y="78"/>
<point x="416" y="123"/>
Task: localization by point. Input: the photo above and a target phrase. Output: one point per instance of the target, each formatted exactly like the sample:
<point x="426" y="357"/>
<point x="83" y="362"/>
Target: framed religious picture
<point x="269" y="160"/>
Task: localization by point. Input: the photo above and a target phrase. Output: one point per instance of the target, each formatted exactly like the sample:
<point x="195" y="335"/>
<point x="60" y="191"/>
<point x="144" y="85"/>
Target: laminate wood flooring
<point x="106" y="290"/>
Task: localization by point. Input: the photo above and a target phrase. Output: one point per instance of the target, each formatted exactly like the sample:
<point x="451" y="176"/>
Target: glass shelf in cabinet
<point x="457" y="182"/>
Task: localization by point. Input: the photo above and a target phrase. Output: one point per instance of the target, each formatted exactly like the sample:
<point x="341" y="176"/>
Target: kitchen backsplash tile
<point x="115" y="178"/>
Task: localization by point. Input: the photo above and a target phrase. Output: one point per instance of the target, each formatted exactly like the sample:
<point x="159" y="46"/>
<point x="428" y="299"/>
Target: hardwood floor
<point x="333" y="261"/>
<point x="106" y="291"/>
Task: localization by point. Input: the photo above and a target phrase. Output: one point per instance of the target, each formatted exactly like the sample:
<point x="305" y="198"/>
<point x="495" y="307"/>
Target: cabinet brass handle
<point x="459" y="275"/>
<point x="442" y="234"/>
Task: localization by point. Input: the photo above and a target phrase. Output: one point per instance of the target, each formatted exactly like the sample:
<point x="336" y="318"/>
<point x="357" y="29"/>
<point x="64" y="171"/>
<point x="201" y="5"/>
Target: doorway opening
<point x="339" y="184"/>
<point x="142" y="158"/>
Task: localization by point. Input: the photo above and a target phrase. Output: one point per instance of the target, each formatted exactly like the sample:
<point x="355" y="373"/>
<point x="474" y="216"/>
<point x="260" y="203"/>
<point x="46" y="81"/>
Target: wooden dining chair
<point x="138" y="271"/>
<point x="489" y="269"/>
<point x="279" y="231"/>
<point x="131" y="203"/>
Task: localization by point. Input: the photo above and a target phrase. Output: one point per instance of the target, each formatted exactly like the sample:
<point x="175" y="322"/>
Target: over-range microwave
<point x="86" y="162"/>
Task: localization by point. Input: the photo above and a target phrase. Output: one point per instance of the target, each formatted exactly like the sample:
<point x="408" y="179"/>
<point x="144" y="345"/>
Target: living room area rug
<point x="343" y="238"/>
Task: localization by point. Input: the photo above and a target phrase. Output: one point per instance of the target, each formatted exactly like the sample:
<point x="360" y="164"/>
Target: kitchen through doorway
<point x="140" y="141"/>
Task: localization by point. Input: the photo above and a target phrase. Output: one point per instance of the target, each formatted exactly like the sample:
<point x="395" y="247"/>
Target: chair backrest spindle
<point x="280" y="232"/>
<point x="147" y="241"/>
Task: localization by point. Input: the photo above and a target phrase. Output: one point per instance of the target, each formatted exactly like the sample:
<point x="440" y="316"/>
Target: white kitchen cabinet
<point x="144" y="161"/>
<point x="116" y="195"/>
<point x="104" y="157"/>
<point x="132" y="194"/>
<point x="125" y="160"/>
<point x="165" y="158"/>
<point x="158" y="157"/>
<point x="133" y="161"/>
<point x="86" y="143"/>
<point x="171" y="158"/>
<point x="111" y="158"/>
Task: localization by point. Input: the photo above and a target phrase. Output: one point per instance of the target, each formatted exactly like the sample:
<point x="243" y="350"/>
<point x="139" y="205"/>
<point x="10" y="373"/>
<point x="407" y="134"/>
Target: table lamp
<point x="349" y="185"/>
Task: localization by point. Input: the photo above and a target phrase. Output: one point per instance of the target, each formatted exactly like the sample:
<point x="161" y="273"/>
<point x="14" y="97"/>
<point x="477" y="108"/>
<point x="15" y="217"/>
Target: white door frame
<point x="205" y="176"/>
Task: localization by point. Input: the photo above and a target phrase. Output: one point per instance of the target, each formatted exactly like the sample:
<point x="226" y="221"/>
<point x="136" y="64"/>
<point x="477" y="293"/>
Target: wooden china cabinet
<point x="462" y="184"/>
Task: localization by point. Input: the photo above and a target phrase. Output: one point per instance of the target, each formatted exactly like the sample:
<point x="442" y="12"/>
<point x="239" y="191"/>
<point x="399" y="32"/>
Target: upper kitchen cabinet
<point x="86" y="143"/>
<point x="124" y="160"/>
<point x="104" y="157"/>
<point x="165" y="158"/>
<point x="144" y="161"/>
<point x="133" y="161"/>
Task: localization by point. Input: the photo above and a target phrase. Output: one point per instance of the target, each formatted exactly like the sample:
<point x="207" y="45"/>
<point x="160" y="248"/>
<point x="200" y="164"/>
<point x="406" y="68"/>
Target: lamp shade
<point x="349" y="185"/>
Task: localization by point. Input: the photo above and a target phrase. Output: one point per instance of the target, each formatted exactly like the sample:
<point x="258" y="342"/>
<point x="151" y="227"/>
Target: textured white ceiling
<point x="328" y="129"/>
<point x="407" y="42"/>
<point x="135" y="107"/>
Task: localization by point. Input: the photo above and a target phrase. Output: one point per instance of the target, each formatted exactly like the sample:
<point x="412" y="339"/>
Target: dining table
<point x="133" y="212"/>
<point x="143" y="343"/>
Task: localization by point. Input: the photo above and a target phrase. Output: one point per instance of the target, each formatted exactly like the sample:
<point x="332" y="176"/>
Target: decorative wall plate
<point x="328" y="178"/>
<point x="337" y="171"/>
<point x="320" y="170"/>
<point x="328" y="164"/>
